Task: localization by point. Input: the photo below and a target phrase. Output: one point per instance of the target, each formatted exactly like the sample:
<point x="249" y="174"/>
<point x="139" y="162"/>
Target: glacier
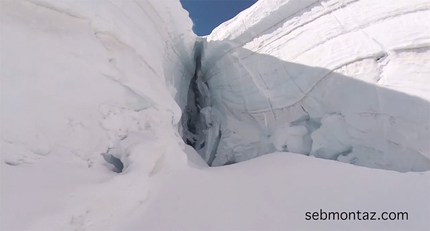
<point x="320" y="78"/>
<point x="345" y="80"/>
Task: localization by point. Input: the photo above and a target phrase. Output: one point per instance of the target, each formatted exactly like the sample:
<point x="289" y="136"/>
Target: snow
<point x="353" y="73"/>
<point x="273" y="192"/>
<point x="339" y="80"/>
<point x="82" y="78"/>
<point x="79" y="83"/>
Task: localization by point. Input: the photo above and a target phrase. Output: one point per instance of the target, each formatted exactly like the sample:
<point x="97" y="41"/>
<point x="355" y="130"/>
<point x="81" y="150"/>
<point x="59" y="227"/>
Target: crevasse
<point x="346" y="80"/>
<point x="333" y="79"/>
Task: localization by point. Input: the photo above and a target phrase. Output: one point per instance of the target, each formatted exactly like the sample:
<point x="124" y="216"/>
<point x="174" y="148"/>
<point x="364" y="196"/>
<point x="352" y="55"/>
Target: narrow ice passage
<point x="200" y="120"/>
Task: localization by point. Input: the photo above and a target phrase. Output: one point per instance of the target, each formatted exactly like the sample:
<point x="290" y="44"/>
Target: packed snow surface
<point x="90" y="87"/>
<point x="272" y="192"/>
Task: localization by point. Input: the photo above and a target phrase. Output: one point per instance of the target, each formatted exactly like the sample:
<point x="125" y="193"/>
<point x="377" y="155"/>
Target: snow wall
<point x="81" y="78"/>
<point x="343" y="80"/>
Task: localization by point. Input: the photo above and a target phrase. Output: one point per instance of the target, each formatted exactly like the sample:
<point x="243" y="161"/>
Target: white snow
<point x="77" y="76"/>
<point x="341" y="80"/>
<point x="82" y="78"/>
<point x="273" y="192"/>
<point x="355" y="73"/>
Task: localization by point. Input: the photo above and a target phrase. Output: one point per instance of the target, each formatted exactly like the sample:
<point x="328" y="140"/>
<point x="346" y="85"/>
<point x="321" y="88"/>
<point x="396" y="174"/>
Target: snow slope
<point x="273" y="192"/>
<point x="342" y="80"/>
<point x="82" y="78"/>
<point x="77" y="75"/>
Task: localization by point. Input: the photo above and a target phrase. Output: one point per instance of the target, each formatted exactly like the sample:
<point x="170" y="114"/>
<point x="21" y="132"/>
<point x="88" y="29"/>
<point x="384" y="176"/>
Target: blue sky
<point x="208" y="14"/>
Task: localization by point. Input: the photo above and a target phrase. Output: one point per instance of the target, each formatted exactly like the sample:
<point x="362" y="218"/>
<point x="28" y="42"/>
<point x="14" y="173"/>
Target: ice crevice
<point x="200" y="120"/>
<point x="333" y="79"/>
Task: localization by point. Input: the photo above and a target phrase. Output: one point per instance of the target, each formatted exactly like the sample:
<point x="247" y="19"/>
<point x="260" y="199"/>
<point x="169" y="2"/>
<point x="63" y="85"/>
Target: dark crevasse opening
<point x="114" y="162"/>
<point x="190" y="116"/>
<point x="201" y="128"/>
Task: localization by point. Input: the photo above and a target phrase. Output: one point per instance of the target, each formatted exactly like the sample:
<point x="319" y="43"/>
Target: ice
<point x="345" y="80"/>
<point x="212" y="133"/>
<point x="358" y="82"/>
<point x="294" y="139"/>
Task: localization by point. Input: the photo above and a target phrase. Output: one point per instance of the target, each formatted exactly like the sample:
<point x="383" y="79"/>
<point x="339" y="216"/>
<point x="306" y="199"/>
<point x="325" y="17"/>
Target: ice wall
<point x="81" y="78"/>
<point x="342" y="80"/>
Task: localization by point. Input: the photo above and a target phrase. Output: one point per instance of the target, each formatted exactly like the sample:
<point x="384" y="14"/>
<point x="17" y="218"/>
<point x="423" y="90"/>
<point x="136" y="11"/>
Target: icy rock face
<point x="343" y="80"/>
<point x="81" y="78"/>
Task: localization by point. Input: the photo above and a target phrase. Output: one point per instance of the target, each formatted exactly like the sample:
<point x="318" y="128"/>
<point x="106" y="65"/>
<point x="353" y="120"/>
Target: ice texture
<point x="342" y="80"/>
<point x="332" y="79"/>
